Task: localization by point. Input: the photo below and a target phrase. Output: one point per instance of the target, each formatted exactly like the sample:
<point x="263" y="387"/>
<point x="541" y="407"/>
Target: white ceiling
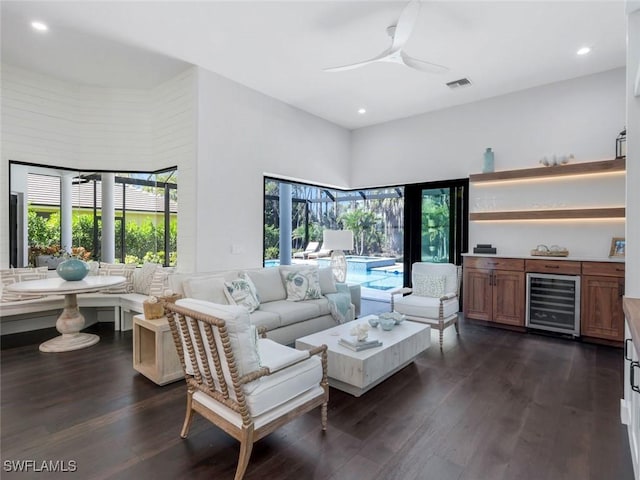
<point x="281" y="48"/>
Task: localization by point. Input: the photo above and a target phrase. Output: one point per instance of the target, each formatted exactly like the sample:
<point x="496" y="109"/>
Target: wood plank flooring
<point x="495" y="405"/>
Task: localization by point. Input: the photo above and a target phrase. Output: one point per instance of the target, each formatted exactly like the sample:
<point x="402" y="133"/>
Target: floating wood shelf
<point x="586" y="168"/>
<point x="584" y="213"/>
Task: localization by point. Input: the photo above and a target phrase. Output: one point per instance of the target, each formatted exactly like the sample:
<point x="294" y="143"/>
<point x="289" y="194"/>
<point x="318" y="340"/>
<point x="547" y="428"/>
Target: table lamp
<point x="337" y="241"/>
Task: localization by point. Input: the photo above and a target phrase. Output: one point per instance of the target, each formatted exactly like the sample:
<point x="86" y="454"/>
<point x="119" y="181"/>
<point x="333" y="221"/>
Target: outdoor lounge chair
<point x="322" y="252"/>
<point x="311" y="248"/>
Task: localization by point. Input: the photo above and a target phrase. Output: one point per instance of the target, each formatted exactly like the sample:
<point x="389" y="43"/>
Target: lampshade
<point x="337" y="240"/>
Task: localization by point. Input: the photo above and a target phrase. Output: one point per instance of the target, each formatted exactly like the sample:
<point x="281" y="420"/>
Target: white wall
<point x="581" y="116"/>
<point x="243" y="134"/>
<point x="632" y="280"/>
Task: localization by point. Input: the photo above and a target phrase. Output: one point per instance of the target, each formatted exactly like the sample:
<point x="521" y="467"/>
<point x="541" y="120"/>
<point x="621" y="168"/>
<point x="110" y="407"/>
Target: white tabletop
<point x="58" y="286"/>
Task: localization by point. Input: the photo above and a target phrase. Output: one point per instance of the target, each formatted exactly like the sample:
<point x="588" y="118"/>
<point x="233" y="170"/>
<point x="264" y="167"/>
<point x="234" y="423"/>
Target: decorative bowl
<point x="373" y="321"/>
<point x="398" y="318"/>
<point x="387" y="323"/>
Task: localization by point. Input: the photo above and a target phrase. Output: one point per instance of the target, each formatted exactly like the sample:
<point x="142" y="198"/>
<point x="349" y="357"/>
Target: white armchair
<point x="246" y="386"/>
<point x="434" y="296"/>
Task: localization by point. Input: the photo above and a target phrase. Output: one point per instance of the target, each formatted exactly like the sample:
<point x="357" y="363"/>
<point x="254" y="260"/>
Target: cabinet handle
<point x="620" y="289"/>
<point x="552" y="266"/>
<point x="626" y="349"/>
<point x="632" y="380"/>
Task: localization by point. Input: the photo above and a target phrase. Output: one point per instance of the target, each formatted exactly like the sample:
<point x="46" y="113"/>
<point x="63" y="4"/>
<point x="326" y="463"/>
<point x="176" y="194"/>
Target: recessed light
<point x="41" y="27"/>
<point x="583" y="51"/>
<point x="362" y="111"/>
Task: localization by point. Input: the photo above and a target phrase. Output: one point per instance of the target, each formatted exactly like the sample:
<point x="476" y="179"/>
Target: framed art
<point x="617" y="247"/>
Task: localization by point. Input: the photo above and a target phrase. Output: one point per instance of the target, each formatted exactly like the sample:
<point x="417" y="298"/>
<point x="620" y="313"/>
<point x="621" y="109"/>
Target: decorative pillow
<point x="301" y="283"/>
<point x="143" y="277"/>
<point x="428" y="285"/>
<point x="15" y="275"/>
<point x="242" y="291"/>
<point x="327" y="280"/>
<point x="160" y="281"/>
<point x="125" y="270"/>
<point x="211" y="288"/>
<point x="93" y="268"/>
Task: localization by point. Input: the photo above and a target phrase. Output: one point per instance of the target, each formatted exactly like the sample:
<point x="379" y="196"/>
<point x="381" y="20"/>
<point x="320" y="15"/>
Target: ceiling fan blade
<point x="405" y="24"/>
<point x="422" y="65"/>
<point x="382" y="57"/>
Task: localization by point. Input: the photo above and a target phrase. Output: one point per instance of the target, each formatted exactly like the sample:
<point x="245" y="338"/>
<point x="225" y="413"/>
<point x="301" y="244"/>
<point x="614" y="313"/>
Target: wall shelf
<point x="580" y="213"/>
<point x="585" y="168"/>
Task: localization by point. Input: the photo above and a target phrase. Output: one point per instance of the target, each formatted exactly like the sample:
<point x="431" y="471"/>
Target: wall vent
<point x="462" y="82"/>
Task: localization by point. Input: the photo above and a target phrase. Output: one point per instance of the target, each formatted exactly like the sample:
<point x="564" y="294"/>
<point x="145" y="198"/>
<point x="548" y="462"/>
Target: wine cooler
<point x="553" y="303"/>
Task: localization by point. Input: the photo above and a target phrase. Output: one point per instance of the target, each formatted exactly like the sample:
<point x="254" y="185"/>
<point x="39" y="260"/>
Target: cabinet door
<point x="508" y="297"/>
<point x="477" y="294"/>
<point x="601" y="305"/>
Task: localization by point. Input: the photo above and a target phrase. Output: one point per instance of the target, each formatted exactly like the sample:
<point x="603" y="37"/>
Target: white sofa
<point x="285" y="320"/>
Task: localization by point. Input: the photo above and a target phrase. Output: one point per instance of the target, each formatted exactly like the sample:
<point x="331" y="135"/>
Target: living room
<point x="225" y="137"/>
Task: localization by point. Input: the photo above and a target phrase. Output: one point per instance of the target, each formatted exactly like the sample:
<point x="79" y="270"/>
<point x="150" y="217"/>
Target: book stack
<point x="358" y="346"/>
<point x="484" y="248"/>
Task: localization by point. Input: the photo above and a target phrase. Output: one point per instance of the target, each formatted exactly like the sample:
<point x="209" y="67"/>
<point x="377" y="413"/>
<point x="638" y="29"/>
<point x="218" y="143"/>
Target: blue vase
<point x="488" y="161"/>
<point x="72" y="270"/>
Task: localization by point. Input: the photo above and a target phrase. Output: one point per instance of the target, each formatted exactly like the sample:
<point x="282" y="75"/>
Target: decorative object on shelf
<point x="552" y="251"/>
<point x="488" y="165"/>
<point x="621" y="144"/>
<point x="484" y="248"/>
<point x="555" y="160"/>
<point x="360" y="331"/>
<point x="72" y="269"/>
<point x="337" y="241"/>
<point x="617" y="247"/>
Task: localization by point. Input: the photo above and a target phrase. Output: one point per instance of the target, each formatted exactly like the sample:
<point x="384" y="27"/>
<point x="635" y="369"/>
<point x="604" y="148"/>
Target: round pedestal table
<point x="70" y="321"/>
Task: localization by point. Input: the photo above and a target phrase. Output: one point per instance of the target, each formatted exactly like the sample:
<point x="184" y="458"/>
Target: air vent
<point x="463" y="82"/>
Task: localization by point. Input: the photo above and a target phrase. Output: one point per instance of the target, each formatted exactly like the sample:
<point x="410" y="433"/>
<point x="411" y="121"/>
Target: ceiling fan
<point x="399" y="34"/>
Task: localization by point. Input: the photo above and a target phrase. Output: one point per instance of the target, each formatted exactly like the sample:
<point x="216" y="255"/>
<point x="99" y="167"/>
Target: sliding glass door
<point x="436" y="220"/>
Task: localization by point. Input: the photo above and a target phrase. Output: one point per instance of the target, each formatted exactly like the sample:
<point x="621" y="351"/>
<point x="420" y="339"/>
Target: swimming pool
<point x="377" y="278"/>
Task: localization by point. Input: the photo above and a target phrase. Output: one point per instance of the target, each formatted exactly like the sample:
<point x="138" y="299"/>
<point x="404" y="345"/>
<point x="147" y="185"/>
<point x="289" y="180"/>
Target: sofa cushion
<point x="327" y="280"/>
<point x="14" y="275"/>
<point x="268" y="284"/>
<point x="417" y="306"/>
<point x="292" y="312"/>
<point x="322" y="304"/>
<point x="242" y="291"/>
<point x="125" y="270"/>
<point x="210" y="288"/>
<point x="261" y="318"/>
<point x="301" y="283"/>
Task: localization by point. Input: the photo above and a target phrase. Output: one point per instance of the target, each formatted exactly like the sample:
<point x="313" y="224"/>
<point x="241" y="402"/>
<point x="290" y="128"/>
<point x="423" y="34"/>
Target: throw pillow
<point x="242" y="291"/>
<point x="210" y="287"/>
<point x="301" y="284"/>
<point x="15" y="275"/>
<point x="143" y="277"/>
<point x="327" y="280"/>
<point x="160" y="281"/>
<point x="428" y="285"/>
<point x="125" y="270"/>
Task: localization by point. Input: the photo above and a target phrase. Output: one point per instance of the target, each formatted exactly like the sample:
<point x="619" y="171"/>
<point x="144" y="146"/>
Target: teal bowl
<point x="374" y="322"/>
<point x="387" y="323"/>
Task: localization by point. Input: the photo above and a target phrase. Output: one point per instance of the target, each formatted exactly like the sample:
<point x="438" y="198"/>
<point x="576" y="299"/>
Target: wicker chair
<point x="246" y="386"/>
<point x="418" y="305"/>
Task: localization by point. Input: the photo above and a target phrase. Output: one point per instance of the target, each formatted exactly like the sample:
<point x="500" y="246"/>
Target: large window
<point x="54" y="209"/>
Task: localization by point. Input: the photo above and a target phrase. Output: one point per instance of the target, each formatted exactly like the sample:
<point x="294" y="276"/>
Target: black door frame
<point x="459" y="223"/>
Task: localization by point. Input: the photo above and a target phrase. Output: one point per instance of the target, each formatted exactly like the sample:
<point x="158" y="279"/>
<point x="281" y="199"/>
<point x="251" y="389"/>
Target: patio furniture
<point x="247" y="387"/>
<point x="311" y="247"/>
<point x="434" y="298"/>
<point x="321" y="253"/>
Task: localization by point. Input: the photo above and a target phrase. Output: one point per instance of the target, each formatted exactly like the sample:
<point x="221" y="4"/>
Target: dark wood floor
<point x="495" y="405"/>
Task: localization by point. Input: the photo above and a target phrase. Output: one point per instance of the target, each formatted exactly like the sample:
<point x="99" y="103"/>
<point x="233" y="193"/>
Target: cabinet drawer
<point x="607" y="269"/>
<point x="562" y="267"/>
<point x="497" y="263"/>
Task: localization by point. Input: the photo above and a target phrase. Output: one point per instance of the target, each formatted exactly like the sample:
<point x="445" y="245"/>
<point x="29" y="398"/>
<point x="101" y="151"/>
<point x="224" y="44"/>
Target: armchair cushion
<point x="425" y="285"/>
<point x="449" y="271"/>
<point x="426" y="307"/>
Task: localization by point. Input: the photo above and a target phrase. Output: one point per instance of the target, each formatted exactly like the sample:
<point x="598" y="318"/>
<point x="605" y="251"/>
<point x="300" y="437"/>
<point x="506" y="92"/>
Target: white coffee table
<point x="358" y="372"/>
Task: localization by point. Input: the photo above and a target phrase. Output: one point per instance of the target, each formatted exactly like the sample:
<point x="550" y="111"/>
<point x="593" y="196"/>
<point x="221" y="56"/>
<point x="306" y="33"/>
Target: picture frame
<point x="618" y="245"/>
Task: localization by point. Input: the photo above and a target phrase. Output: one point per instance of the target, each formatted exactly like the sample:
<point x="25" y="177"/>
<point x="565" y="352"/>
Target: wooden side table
<point x="154" y="353"/>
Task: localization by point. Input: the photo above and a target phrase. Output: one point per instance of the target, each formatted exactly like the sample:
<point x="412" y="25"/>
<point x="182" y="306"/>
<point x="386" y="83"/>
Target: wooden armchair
<point x="246" y="386"/>
<point x="434" y="296"/>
